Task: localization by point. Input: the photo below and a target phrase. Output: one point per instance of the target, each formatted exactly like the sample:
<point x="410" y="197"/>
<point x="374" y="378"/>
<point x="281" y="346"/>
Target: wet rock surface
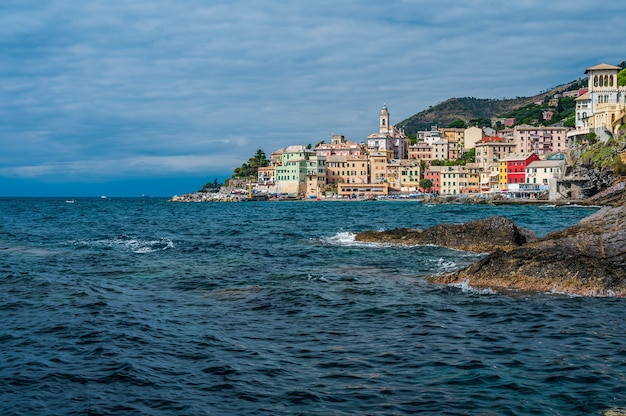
<point x="587" y="259"/>
<point x="482" y="236"/>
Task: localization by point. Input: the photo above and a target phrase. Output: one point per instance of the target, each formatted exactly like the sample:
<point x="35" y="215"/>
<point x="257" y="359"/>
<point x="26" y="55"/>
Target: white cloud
<point x="160" y="166"/>
<point x="185" y="85"/>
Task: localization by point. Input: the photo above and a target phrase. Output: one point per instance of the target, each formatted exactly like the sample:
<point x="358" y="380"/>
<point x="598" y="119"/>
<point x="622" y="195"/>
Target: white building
<point x="389" y="139"/>
<point x="602" y="110"/>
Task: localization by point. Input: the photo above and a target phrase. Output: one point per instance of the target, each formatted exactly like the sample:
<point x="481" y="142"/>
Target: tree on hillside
<point x="480" y="122"/>
<point x="211" y="186"/>
<point x="621" y="78"/>
<point x="458" y="124"/>
<point x="251" y="168"/>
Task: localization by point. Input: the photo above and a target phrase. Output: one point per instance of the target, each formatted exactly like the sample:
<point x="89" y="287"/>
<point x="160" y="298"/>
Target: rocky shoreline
<point x="587" y="259"/>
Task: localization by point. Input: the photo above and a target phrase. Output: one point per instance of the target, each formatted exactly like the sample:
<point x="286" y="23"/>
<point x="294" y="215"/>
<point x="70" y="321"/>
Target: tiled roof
<point x="602" y="67"/>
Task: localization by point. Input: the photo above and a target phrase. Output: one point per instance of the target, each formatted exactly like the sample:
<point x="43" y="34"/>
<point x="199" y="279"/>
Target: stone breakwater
<point x="208" y="197"/>
<point x="586" y="259"/>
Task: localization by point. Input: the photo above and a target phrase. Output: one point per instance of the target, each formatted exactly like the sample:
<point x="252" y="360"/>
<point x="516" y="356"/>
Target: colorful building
<point x="540" y="140"/>
<point x="291" y="174"/>
<point x="513" y="168"/>
<point x="602" y="109"/>
<point x="434" y="174"/>
<point x="490" y="149"/>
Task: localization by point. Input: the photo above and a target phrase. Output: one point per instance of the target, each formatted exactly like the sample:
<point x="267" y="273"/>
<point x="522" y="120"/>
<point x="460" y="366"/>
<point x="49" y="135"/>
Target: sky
<point x="158" y="97"/>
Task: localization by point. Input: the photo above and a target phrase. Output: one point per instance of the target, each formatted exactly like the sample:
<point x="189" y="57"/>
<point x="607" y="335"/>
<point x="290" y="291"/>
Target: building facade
<point x="490" y="149"/>
<point x="388" y="138"/>
<point x="602" y="110"/>
<point x="291" y="174"/>
<point x="540" y="140"/>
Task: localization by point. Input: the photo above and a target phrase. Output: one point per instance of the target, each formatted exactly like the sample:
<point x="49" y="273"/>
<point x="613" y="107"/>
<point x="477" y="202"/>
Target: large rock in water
<point x="480" y="236"/>
<point x="588" y="259"/>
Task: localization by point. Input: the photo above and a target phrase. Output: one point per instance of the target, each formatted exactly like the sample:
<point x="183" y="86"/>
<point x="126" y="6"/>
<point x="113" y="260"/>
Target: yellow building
<point x="409" y="175"/>
<point x="315" y="176"/>
<point x="503" y="174"/>
<point x="378" y="167"/>
<point x="453" y="180"/>
<point x="473" y="178"/>
<point x="490" y="149"/>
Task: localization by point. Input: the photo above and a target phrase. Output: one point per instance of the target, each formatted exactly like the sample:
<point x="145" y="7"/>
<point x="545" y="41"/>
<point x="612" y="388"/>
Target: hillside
<point x="469" y="108"/>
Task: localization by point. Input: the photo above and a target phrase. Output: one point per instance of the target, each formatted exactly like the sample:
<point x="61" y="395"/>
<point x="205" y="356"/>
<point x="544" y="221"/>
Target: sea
<point x="140" y="306"/>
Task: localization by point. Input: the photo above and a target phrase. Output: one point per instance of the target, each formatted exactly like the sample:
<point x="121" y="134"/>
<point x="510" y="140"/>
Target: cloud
<point x="166" y="86"/>
<point x="144" y="166"/>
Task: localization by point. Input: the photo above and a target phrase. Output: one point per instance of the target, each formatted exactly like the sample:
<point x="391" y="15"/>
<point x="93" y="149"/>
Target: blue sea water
<point x="137" y="306"/>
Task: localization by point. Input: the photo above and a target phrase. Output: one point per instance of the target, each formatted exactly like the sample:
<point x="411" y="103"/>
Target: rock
<point x="481" y="236"/>
<point x="613" y="195"/>
<point x="588" y="259"/>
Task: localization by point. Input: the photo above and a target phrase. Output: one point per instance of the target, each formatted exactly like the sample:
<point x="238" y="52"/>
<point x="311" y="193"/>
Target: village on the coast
<point x="517" y="162"/>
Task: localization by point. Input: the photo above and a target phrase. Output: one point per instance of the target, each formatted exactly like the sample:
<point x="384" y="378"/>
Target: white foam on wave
<point x="446" y="265"/>
<point x="466" y="288"/>
<point x="136" y="245"/>
<point x="341" y="238"/>
<point x="346" y="238"/>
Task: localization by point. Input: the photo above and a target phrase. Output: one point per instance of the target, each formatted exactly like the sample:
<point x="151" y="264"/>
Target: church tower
<point x="384" y="120"/>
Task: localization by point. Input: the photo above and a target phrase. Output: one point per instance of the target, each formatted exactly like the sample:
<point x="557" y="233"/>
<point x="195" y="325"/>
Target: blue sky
<point x="158" y="97"/>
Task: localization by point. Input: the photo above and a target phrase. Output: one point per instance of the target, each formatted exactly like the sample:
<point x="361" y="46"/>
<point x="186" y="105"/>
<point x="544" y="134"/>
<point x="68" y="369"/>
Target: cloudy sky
<point x="158" y="97"/>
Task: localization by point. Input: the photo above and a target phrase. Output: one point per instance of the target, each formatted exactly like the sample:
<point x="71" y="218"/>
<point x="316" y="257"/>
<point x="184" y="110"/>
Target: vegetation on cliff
<point x="461" y="112"/>
<point x="606" y="156"/>
<point x="250" y="168"/>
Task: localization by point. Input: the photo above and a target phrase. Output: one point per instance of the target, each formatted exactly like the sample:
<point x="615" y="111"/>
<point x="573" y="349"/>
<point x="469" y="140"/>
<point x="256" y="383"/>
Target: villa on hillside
<point x="602" y="110"/>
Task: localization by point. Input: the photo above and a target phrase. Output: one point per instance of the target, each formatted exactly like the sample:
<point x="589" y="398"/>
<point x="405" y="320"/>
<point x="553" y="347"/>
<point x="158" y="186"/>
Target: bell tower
<point x="384" y="120"/>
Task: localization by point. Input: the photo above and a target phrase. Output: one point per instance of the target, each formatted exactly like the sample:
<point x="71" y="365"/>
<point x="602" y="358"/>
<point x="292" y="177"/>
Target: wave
<point x="136" y="245"/>
<point x="466" y="288"/>
<point x="348" y="239"/>
<point x="341" y="238"/>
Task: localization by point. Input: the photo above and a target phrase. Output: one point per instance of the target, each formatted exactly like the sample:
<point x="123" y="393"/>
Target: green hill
<point x="478" y="111"/>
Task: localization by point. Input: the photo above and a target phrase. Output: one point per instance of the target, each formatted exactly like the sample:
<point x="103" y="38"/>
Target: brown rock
<point x="588" y="258"/>
<point x="480" y="236"/>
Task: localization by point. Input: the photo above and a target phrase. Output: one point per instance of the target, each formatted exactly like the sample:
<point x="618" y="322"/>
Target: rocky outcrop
<point x="586" y="259"/>
<point x="613" y="195"/>
<point x="488" y="235"/>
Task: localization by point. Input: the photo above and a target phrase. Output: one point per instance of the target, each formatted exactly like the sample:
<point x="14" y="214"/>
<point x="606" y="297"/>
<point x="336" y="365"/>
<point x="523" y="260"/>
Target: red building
<point x="516" y="166"/>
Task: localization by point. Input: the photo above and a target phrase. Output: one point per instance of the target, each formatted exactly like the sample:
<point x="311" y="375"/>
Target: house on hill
<point x="602" y="109"/>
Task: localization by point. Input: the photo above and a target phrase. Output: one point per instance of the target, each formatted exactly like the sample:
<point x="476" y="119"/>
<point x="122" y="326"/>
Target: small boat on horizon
<point x="70" y="201"/>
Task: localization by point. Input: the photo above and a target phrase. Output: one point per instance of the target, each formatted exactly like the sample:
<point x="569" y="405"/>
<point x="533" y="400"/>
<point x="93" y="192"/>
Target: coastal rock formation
<point x="588" y="259"/>
<point x="487" y="235"/>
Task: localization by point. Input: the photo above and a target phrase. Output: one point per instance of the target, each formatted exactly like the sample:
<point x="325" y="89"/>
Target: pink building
<point x="539" y="140"/>
<point x="420" y="151"/>
<point x="434" y="174"/>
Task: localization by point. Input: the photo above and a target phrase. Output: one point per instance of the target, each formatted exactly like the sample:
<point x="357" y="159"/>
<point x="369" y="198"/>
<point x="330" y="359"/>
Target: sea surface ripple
<point x="137" y="306"/>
